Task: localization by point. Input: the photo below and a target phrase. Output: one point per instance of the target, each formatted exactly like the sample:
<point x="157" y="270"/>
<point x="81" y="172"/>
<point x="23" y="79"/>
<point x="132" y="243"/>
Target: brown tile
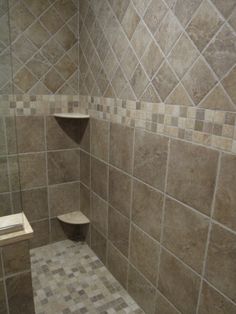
<point x="144" y="254"/>
<point x="154" y="14"/>
<point x="53" y="81"/>
<point x="65" y="8"/>
<point x="130" y="21"/>
<point x="184" y="47"/>
<point x="99" y="177"/>
<point x="99" y="138"/>
<point x="141" y="291"/>
<point x="37" y="34"/>
<point x="221" y="266"/>
<point x="38" y="65"/>
<point x="229" y="84"/>
<point x="85" y="200"/>
<point x="152" y="59"/>
<point x="225" y="7"/>
<point x="121" y="146"/>
<point x="129" y="63"/>
<point x="63" y="166"/>
<point x="99" y="213"/>
<point x="119" y="81"/>
<point x="141" y="38"/>
<point x="147" y="209"/>
<point x="119" y="7"/>
<point x="4" y="184"/>
<point x="207" y="21"/>
<point x="85" y="135"/>
<point x="164" y="81"/>
<point x="192" y="174"/>
<point x="51" y="20"/>
<point x="139" y="81"/>
<point x="63" y="198"/>
<point x="41" y="234"/>
<point x="32" y="171"/>
<point x="5" y="204"/>
<point x="3" y="303"/>
<point x="34" y="203"/>
<point x="225" y="201"/>
<point x="20" y="294"/>
<point x="65" y="67"/>
<point x="117" y="265"/>
<point x="16" y="257"/>
<point x="62" y="133"/>
<point x="24" y="80"/>
<point x="36" y="7"/>
<point x="178" y="283"/>
<point x="214" y="302"/>
<point x="52" y="51"/>
<point x="59" y="230"/>
<point x="98" y="244"/>
<point x="118" y="230"/>
<point x="3" y="147"/>
<point x="85" y="168"/>
<point x="184" y="9"/>
<point x="120" y="191"/>
<point x="190" y="229"/>
<point x="221" y="53"/>
<point x="163" y="306"/>
<point x="199" y="81"/>
<point x="150" y="158"/>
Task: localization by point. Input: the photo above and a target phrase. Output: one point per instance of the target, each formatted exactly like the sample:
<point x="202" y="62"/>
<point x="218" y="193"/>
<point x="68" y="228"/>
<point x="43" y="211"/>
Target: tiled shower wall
<point x="162" y="214"/>
<point x="174" y="51"/>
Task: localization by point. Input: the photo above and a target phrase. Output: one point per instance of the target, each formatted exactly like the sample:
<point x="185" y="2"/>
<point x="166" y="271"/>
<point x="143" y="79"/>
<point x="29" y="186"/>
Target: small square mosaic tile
<point x="69" y="278"/>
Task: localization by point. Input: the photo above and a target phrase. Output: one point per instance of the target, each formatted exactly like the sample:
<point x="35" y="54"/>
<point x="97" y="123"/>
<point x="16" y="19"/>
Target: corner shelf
<point x="71" y="115"/>
<point x="74" y="218"/>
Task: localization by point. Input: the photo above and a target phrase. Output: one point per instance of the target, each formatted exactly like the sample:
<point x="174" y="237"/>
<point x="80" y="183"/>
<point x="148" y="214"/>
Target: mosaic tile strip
<point x="69" y="278"/>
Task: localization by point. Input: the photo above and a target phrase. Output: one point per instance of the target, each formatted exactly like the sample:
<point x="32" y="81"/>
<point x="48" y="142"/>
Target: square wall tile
<point x="99" y="138"/>
<point x="41" y="233"/>
<point x="192" y="174"/>
<point x="178" y="283"/>
<point x="190" y="228"/>
<point x="144" y="254"/>
<point x="121" y="146"/>
<point x="147" y="209"/>
<point x="85" y="170"/>
<point x="85" y="200"/>
<point x="120" y="191"/>
<point x="150" y="158"/>
<point x="99" y="177"/>
<point x="4" y="179"/>
<point x="3" y="301"/>
<point x="118" y="230"/>
<point x="98" y="244"/>
<point x="163" y="306"/>
<point x="221" y="266"/>
<point x="99" y="214"/>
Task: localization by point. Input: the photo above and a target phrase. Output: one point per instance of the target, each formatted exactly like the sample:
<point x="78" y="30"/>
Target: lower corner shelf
<point x="74" y="218"/>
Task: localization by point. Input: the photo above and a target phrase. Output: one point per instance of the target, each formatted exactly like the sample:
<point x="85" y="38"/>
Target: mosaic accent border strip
<point x="212" y="128"/>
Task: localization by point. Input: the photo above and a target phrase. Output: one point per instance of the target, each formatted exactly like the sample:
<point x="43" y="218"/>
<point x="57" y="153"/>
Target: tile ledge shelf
<point x="74" y="218"/>
<point x="71" y="115"/>
<point x="13" y="237"/>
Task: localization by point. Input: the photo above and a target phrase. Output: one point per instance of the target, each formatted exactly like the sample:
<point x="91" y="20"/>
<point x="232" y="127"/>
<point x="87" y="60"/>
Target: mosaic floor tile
<point x="69" y="278"/>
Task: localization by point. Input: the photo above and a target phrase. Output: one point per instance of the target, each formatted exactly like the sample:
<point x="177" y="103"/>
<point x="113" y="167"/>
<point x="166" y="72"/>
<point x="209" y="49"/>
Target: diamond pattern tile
<point x="154" y="14"/>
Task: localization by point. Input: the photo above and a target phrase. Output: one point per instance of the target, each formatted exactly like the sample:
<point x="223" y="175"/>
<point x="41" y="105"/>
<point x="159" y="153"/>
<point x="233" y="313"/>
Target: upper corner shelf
<point x="71" y="115"/>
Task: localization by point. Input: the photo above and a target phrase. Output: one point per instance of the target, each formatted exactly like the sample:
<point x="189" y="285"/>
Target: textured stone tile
<point x="221" y="53"/>
<point x="184" y="47"/>
<point x="121" y="143"/>
<point x="144" y="254"/>
<point x="99" y="178"/>
<point x="119" y="7"/>
<point x="4" y="183"/>
<point x="179" y="96"/>
<point x="190" y="229"/>
<point x="99" y="138"/>
<point x="98" y="244"/>
<point x="85" y="168"/>
<point x="142" y="291"/>
<point x="229" y="84"/>
<point x="3" y="303"/>
<point x="129" y="62"/>
<point x="199" y="81"/>
<point x="154" y="14"/>
<point x="140" y="39"/>
<point x="152" y="59"/>
<point x="139" y="81"/>
<point x="178" y="283"/>
<point x="225" y="201"/>
<point x="225" y="7"/>
<point x="41" y="233"/>
<point x="5" y="205"/>
<point x="99" y="214"/>
<point x="85" y="200"/>
<point x="192" y="174"/>
<point x="130" y="21"/>
<point x="51" y="20"/>
<point x="150" y="158"/>
<point x="163" y="306"/>
<point x="147" y="209"/>
<point x="214" y="302"/>
<point x="184" y="9"/>
<point x="204" y="25"/>
<point x="63" y="166"/>
<point x="221" y="267"/>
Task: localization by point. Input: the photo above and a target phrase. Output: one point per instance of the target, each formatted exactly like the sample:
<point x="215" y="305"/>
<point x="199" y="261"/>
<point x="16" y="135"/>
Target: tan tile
<point x="229" y="84"/>
<point x="232" y="20"/>
<point x="183" y="55"/>
<point x="38" y="65"/>
<point x="154" y="14"/>
<point x="52" y="51"/>
<point x="119" y="7"/>
<point x="120" y="44"/>
<point x="3" y="302"/>
<point x="152" y="59"/>
<point x="147" y="209"/>
<point x="221" y="266"/>
<point x="178" y="283"/>
<point x="129" y="62"/>
<point x="37" y="7"/>
<point x="221" y="53"/>
<point x="5" y="206"/>
<point x="225" y="7"/>
<point x="85" y="168"/>
<point x="163" y="306"/>
<point x="141" y="291"/>
<point x="98" y="244"/>
<point x="144" y="254"/>
<point x="178" y="97"/>
<point x="150" y="158"/>
<point x="41" y="234"/>
<point x="118" y="230"/>
<point x="85" y="200"/>
<point x="225" y="202"/>
<point x="99" y="138"/>
<point x="184" y="9"/>
<point x="150" y="95"/>
<point x="37" y="34"/>
<point x="207" y="21"/>
<point x="23" y="48"/>
<point x="66" y="38"/>
<point x="139" y="81"/>
<point x="141" y="6"/>
<point x="141" y="38"/>
<point x="121" y="143"/>
<point x="164" y="81"/>
<point x="22" y="17"/>
<point x="199" y="81"/>
<point x="119" y="81"/>
<point x="192" y="174"/>
<point x="63" y="198"/>
<point x="53" y="80"/>
<point x="120" y="191"/>
<point x="99" y="214"/>
<point x="117" y="265"/>
<point x="51" y="20"/>
<point x="66" y="8"/>
<point x="214" y="302"/>
<point x="65" y="67"/>
<point x="99" y="177"/>
<point x="130" y="21"/>
<point x="84" y="130"/>
<point x="190" y="229"/>
<point x="24" y="80"/>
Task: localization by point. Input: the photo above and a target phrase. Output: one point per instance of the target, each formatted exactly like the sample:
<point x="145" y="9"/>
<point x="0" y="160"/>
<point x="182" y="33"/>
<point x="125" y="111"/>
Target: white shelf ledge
<point x="74" y="218"/>
<point x="71" y="115"/>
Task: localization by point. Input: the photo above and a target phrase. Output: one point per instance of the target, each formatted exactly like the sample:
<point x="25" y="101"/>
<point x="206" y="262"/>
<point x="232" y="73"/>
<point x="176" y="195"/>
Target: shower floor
<point x="69" y="278"/>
